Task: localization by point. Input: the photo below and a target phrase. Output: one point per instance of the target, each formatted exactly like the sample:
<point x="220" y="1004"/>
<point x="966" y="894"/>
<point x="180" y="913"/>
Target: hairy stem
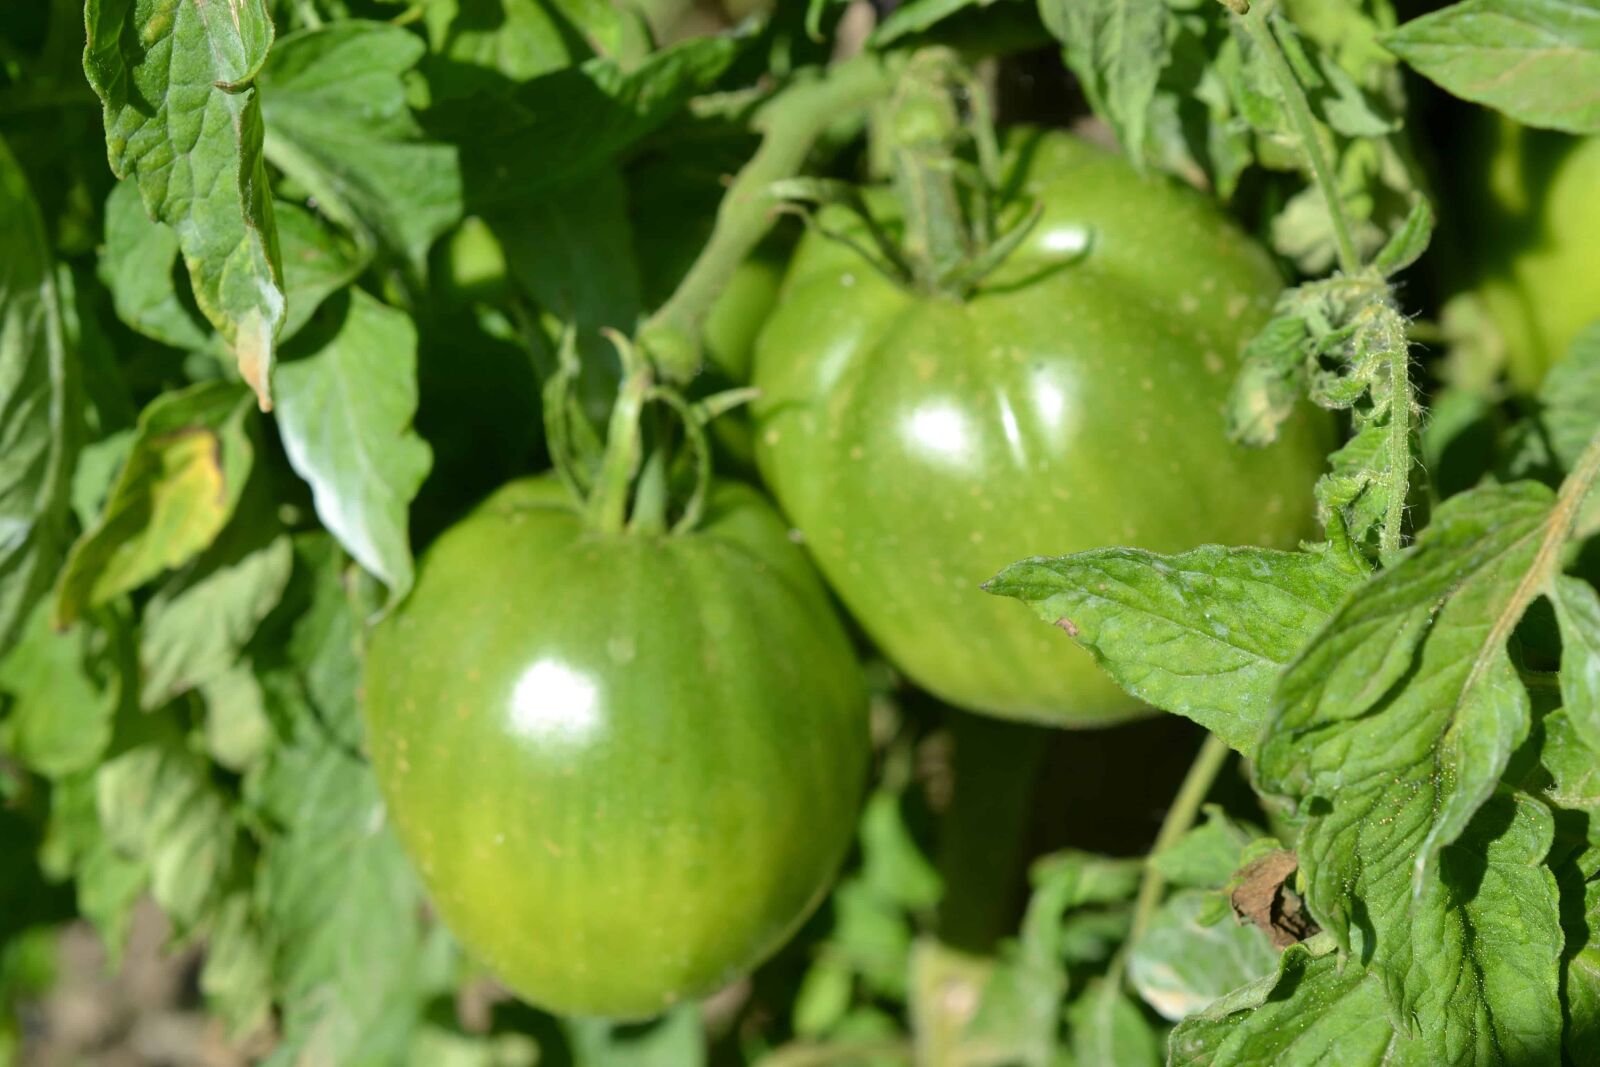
<point x="790" y="124"/>
<point x="1399" y="446"/>
<point x="1256" y="24"/>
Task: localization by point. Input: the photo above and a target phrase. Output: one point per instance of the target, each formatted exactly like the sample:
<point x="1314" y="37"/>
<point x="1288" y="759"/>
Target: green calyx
<point x="934" y="139"/>
<point x="650" y="474"/>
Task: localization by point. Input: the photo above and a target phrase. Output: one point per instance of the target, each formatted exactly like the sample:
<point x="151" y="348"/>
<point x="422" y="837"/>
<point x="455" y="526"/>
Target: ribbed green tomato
<point x="626" y="766"/>
<point x="921" y="443"/>
<point x="1536" y="230"/>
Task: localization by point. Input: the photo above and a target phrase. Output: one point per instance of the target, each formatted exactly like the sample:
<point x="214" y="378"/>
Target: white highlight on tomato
<point x="553" y="702"/>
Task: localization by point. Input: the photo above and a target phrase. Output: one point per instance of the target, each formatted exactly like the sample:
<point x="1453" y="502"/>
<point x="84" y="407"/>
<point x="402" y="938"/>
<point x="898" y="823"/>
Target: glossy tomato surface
<point x="626" y="767"/>
<point x="1535" y="238"/>
<point x="921" y="443"/>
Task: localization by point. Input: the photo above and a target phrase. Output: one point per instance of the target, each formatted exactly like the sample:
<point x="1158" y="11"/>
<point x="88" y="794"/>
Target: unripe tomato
<point x="921" y="443"/>
<point x="626" y="766"/>
<point x="1535" y="236"/>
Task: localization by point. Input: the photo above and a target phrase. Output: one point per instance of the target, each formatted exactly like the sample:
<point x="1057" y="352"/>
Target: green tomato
<point x="1535" y="240"/>
<point x="921" y="443"/>
<point x="627" y="767"/>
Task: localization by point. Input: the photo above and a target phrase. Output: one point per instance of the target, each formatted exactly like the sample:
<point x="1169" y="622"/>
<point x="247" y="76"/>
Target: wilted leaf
<point x="175" y="493"/>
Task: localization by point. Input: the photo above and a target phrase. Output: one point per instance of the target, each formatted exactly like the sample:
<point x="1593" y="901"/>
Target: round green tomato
<point x="1536" y="237"/>
<point x="922" y="443"/>
<point x="627" y="767"/>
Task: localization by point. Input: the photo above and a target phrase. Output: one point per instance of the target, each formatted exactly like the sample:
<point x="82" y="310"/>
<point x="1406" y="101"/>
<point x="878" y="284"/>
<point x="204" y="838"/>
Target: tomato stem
<point x="1208" y="763"/>
<point x="1256" y="21"/>
<point x="790" y="124"/>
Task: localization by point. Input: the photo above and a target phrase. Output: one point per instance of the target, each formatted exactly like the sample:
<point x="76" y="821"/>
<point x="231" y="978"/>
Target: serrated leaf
<point x="158" y="807"/>
<point x="345" y="413"/>
<point x="1531" y="59"/>
<point x="38" y="415"/>
<point x="554" y="129"/>
<point x="1182" y="964"/>
<point x="1578" y="613"/>
<point x="1391" y="731"/>
<point x="190" y="458"/>
<point x="1202" y="634"/>
<point x="1313" y="1011"/>
<point x="64" y="689"/>
<point x="338" y="123"/>
<point x="1117" y="49"/>
<point x="183" y="118"/>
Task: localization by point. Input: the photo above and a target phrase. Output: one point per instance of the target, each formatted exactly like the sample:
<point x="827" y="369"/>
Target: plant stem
<point x="1577" y="487"/>
<point x="1254" y="20"/>
<point x="1399" y="443"/>
<point x="1180" y="817"/>
<point x="789" y="124"/>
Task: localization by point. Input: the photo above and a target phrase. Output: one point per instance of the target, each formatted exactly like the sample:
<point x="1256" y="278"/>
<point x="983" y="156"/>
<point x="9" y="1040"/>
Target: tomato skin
<point x="921" y="443"/>
<point x="1538" y="225"/>
<point x="626" y="767"/>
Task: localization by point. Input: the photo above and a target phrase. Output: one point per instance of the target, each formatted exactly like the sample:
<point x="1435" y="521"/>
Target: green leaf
<point x="1106" y="1026"/>
<point x="345" y="413"/>
<point x="1578" y="613"/>
<point x="1117" y="49"/>
<point x="1535" y="60"/>
<point x="916" y="16"/>
<point x="1203" y="634"/>
<point x="338" y="123"/>
<point x="236" y="977"/>
<point x="141" y="254"/>
<point x="1205" y="857"/>
<point x="1315" y="1011"/>
<point x="1183" y="963"/>
<point x="159" y="807"/>
<point x="183" y="117"/>
<point x="177" y="490"/>
<point x="1391" y="731"/>
<point x="1570" y="397"/>
<point x="675" y="1040"/>
<point x="349" y="953"/>
<point x="1407" y="243"/>
<point x="1583" y="980"/>
<point x="196" y="625"/>
<point x="478" y="44"/>
<point x="1494" y="896"/>
<point x="38" y="415"/>
<point x="65" y="688"/>
<point x="555" y="129"/>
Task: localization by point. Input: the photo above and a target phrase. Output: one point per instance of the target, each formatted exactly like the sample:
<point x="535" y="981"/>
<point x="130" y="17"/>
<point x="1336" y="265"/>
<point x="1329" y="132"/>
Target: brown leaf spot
<point x="1069" y="626"/>
<point x="252" y="347"/>
<point x="1262" y="897"/>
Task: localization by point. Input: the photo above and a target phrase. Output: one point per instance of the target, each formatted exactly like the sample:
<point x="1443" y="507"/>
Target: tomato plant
<point x="920" y="440"/>
<point x="727" y="533"/>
